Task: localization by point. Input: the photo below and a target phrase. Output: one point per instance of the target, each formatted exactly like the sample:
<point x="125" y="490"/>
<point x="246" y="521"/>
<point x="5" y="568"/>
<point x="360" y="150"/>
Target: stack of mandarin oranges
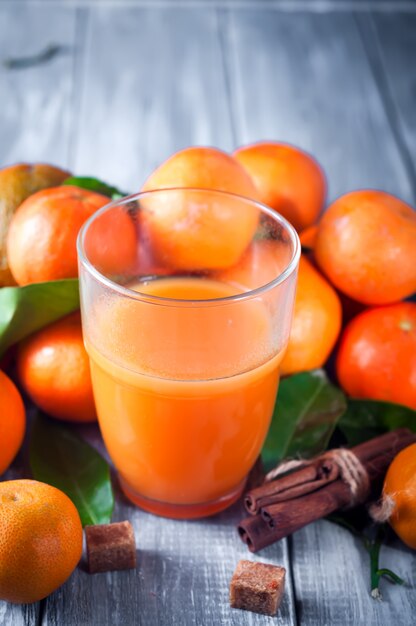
<point x="356" y="275"/>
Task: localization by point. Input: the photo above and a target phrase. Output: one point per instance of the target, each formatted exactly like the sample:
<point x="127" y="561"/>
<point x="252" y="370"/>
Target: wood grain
<point x="36" y="101"/>
<point x="332" y="581"/>
<point x="391" y="48"/>
<point x="15" y="615"/>
<point x="183" y="575"/>
<point x="305" y="79"/>
<point x="164" y="89"/>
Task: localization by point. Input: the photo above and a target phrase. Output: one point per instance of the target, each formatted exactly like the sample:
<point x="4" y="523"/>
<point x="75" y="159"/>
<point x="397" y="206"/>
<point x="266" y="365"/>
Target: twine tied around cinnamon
<point x="351" y="471"/>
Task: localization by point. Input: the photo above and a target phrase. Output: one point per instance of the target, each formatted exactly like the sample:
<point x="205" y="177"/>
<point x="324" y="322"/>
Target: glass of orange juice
<point x="186" y="300"/>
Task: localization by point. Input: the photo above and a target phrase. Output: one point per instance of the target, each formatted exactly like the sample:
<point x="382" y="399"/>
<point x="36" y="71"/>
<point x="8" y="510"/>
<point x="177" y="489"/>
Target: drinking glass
<point x="186" y="300"/>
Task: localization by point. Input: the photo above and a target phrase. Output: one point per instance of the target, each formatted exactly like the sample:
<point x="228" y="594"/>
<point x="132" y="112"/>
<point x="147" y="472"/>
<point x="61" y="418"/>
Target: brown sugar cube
<point x="257" y="587"/>
<point x="110" y="547"/>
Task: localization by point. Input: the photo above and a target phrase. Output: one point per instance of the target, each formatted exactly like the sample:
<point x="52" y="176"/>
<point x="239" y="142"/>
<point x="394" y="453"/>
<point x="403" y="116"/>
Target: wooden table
<point x="137" y="80"/>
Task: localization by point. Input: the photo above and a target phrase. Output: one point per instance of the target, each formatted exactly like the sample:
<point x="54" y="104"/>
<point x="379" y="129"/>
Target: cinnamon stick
<point x="291" y="485"/>
<point x="298" y="498"/>
<point x="320" y="472"/>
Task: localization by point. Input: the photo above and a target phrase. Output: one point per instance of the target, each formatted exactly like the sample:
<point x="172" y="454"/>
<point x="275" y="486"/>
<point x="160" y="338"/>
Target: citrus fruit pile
<point x="356" y="276"/>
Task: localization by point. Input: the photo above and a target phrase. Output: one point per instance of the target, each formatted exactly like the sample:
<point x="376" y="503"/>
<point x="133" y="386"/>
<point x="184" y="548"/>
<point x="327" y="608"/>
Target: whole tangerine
<point x="316" y="323"/>
<point x="53" y="368"/>
<point x="399" y="494"/>
<point x="377" y="355"/>
<point x="366" y="247"/>
<point x="194" y="232"/>
<point x="40" y="540"/>
<point x="12" y="421"/>
<point x="288" y="179"/>
<point x="18" y="182"/>
<point x="41" y="242"/>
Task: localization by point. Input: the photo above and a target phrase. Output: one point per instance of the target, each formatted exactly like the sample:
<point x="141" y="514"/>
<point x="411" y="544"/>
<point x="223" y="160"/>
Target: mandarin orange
<point x="193" y="232"/>
<point x="53" y="368"/>
<point x="288" y="179"/>
<point x="400" y="489"/>
<point x="40" y="540"/>
<point x="377" y="354"/>
<point x="366" y="247"/>
<point x="18" y="182"/>
<point x="316" y="322"/>
<point x="12" y="421"/>
<point x="41" y="242"/>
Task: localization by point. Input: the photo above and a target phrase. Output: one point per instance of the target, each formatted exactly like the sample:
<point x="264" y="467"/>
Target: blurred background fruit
<point x="288" y="180"/>
<point x="191" y="242"/>
<point x="12" y="422"/>
<point x="307" y="237"/>
<point x="377" y="355"/>
<point x="365" y="245"/>
<point x="316" y="322"/>
<point x="261" y="263"/>
<point x="53" y="368"/>
<point x="399" y="495"/>
<point x="40" y="540"/>
<point x="17" y="183"/>
<point x="41" y="243"/>
<point x="122" y="256"/>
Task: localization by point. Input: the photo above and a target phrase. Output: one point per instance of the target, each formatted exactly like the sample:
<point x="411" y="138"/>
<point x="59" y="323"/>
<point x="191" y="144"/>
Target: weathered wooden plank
<point x="36" y="101"/>
<point x="391" y="47"/>
<point x="304" y="78"/>
<point x="153" y="84"/>
<point x="319" y="6"/>
<point x="15" y="615"/>
<point x="183" y="574"/>
<point x="332" y="580"/>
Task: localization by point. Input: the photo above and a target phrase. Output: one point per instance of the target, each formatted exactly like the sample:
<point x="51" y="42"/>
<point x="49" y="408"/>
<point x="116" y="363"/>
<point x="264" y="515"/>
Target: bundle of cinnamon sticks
<point x="317" y="488"/>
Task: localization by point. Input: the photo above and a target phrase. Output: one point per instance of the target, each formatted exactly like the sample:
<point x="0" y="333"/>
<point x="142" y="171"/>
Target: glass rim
<point x="162" y="300"/>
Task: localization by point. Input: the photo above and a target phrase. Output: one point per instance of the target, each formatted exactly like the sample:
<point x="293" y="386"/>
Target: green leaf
<point x="365" y="419"/>
<point x="23" y="310"/>
<point x="94" y="184"/>
<point x="307" y="410"/>
<point x="60" y="458"/>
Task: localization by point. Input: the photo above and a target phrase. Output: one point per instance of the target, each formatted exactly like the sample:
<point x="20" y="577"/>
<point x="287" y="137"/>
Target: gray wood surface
<point x="134" y="84"/>
<point x="332" y="580"/>
<point x="305" y="78"/>
<point x="36" y="113"/>
<point x="183" y="574"/>
<point x="164" y="90"/>
<point x="395" y="68"/>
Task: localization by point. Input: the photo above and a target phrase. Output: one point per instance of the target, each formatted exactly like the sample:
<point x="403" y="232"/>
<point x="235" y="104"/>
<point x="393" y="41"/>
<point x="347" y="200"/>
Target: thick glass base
<point x="182" y="511"/>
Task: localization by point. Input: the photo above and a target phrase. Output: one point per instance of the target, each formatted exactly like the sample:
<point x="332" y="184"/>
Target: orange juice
<point x="183" y="410"/>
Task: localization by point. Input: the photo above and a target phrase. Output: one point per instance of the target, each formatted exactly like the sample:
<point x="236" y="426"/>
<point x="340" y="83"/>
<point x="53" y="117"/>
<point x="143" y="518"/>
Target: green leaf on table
<point x="60" y="458"/>
<point x="23" y="310"/>
<point x="307" y="410"/>
<point x="94" y="184"/>
<point x="365" y="419"/>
